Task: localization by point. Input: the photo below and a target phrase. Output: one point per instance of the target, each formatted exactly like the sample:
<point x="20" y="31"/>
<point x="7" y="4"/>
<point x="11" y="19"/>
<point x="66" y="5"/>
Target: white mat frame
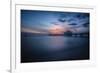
<point x="17" y="67"/>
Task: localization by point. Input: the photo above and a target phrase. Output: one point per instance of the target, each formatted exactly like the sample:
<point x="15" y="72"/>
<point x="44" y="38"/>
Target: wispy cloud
<point x="42" y="21"/>
<point x="28" y="30"/>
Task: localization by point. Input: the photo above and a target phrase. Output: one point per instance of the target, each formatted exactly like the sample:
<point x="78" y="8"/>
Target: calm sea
<point x="53" y="48"/>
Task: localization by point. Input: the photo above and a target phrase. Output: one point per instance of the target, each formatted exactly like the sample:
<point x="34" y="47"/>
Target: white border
<point x="16" y="66"/>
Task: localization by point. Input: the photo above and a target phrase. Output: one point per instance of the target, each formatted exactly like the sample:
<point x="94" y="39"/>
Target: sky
<point x="33" y="21"/>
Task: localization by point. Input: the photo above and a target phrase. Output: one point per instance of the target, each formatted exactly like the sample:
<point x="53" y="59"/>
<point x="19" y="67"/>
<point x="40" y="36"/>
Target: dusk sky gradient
<point x="41" y="21"/>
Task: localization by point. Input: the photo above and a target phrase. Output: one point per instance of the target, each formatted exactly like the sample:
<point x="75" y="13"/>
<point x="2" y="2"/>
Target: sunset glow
<point x="57" y="29"/>
<point x="47" y="36"/>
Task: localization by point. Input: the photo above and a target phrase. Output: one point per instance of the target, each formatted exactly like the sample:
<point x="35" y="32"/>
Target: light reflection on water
<point x="48" y="48"/>
<point x="55" y="43"/>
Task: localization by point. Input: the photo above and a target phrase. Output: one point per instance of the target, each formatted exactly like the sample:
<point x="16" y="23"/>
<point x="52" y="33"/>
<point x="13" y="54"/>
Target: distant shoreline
<point x="69" y="35"/>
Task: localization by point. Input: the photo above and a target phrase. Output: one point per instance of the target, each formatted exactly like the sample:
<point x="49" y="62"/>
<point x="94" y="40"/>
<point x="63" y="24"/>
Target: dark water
<point x="53" y="48"/>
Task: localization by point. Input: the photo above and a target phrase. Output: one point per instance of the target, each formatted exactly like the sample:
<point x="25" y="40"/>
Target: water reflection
<point x="53" y="48"/>
<point x="55" y="43"/>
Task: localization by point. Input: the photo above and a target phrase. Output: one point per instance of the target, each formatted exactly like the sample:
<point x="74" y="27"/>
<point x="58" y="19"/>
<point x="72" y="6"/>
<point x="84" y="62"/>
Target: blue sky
<point x="41" y="21"/>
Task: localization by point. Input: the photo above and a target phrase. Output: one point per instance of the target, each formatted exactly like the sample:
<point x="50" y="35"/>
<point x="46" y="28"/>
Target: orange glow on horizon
<point x="57" y="29"/>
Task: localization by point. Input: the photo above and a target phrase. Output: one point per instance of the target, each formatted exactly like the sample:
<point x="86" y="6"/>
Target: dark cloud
<point x="73" y="24"/>
<point x="62" y="20"/>
<point x="82" y="16"/>
<point x="86" y="24"/>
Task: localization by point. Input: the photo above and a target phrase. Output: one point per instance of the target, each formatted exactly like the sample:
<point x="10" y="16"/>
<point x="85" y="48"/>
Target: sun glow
<point x="57" y="29"/>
